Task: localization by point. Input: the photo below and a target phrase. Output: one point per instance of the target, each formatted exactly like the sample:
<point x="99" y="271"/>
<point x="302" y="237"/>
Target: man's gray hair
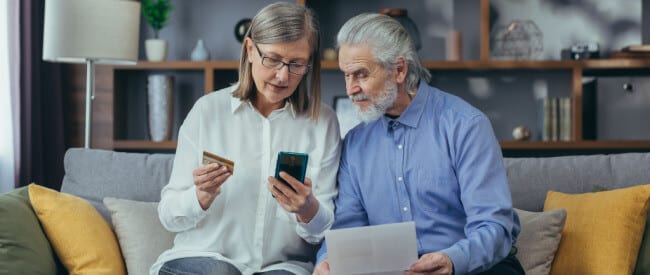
<point x="387" y="40"/>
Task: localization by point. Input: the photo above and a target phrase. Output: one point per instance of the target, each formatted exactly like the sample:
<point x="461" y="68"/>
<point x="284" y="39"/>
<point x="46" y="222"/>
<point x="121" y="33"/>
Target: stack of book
<point x="633" y="51"/>
<point x="556" y="119"/>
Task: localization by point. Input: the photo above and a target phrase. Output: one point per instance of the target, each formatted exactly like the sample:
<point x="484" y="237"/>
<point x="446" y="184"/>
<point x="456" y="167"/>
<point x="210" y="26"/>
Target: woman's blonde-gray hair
<point x="285" y="22"/>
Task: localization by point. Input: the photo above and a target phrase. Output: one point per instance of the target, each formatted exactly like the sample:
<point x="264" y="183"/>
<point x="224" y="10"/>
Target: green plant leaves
<point x="156" y="13"/>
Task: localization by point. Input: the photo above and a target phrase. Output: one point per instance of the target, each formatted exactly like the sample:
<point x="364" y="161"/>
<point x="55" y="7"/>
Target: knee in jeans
<point x="165" y="270"/>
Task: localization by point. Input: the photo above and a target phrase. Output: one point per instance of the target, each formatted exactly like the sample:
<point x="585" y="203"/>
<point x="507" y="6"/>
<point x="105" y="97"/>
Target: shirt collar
<point x="289" y="106"/>
<point x="413" y="113"/>
<point x="236" y="104"/>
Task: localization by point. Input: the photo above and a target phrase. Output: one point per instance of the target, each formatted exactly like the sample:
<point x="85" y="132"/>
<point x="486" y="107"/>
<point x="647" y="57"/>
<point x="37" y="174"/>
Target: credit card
<point x="212" y="158"/>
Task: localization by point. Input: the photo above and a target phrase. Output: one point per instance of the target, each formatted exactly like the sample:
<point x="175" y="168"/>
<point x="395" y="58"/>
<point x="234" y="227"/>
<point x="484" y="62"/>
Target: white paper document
<point x="379" y="249"/>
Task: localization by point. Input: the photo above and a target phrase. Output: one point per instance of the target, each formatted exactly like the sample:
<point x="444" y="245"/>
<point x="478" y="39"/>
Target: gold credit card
<point x="212" y="158"/>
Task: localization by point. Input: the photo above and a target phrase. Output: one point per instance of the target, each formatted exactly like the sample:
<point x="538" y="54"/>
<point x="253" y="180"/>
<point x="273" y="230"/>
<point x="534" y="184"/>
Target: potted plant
<point x="156" y="13"/>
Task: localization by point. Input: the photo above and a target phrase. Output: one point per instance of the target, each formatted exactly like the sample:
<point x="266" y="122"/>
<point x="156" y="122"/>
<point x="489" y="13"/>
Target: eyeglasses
<point x="273" y="63"/>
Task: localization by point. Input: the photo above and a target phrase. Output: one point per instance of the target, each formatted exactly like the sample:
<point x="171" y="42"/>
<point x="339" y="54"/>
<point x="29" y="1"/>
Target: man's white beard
<point x="378" y="105"/>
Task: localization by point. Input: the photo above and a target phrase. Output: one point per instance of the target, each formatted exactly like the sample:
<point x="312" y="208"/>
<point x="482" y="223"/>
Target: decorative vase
<point x="156" y="49"/>
<point x="454" y="46"/>
<point x="401" y="15"/>
<point x="200" y="53"/>
<point x="160" y="105"/>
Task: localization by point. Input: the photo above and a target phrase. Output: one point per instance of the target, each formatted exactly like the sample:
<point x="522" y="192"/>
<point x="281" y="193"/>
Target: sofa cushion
<point x="80" y="236"/>
<point x="141" y="235"/>
<point x="94" y="174"/>
<point x="24" y="249"/>
<point x="539" y="238"/>
<point x="603" y="230"/>
<point x="531" y="178"/>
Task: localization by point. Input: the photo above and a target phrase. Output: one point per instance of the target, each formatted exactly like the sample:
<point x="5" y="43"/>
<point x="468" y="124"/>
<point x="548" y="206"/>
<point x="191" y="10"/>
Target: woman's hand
<point x="301" y="201"/>
<point x="208" y="180"/>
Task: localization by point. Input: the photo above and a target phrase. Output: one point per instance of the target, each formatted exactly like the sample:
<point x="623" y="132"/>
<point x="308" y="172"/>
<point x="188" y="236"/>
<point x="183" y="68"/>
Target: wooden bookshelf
<point x="181" y="65"/>
<point x="213" y="74"/>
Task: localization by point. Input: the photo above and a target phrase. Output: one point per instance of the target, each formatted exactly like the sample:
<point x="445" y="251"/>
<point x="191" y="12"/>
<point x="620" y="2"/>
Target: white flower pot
<point x="156" y="49"/>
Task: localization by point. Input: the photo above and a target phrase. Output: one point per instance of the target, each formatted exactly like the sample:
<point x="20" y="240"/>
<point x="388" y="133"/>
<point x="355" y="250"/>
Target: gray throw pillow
<point x="141" y="236"/>
<point x="539" y="239"/>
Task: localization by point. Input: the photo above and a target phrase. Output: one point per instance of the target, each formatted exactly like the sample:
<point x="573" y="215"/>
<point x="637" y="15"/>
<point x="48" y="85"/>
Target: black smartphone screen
<point x="294" y="164"/>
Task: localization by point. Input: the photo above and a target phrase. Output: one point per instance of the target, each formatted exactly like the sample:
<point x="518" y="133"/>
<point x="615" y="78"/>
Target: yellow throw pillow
<point x="80" y="236"/>
<point x="603" y="230"/>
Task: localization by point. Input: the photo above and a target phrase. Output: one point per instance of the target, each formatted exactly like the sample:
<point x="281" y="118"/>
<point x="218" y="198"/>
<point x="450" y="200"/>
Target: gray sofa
<point x="95" y="174"/>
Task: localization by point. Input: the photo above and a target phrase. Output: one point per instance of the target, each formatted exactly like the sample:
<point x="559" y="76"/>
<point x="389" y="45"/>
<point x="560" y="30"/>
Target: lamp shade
<point x="105" y="31"/>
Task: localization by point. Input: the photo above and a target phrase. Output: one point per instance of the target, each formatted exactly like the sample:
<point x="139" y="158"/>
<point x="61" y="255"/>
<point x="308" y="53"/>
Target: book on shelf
<point x="554" y="119"/>
<point x="556" y="123"/>
<point x="637" y="48"/>
<point x="545" y="119"/>
<point x="632" y="51"/>
<point x="565" y="118"/>
<point x="628" y="54"/>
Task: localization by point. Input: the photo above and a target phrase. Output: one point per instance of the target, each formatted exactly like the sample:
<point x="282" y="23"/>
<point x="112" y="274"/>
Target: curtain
<point x="43" y="123"/>
<point x="9" y="68"/>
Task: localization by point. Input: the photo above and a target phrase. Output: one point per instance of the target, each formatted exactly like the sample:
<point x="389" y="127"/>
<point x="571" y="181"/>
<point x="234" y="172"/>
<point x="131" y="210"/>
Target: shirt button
<point x="399" y="146"/>
<point x="406" y="209"/>
<point x="399" y="178"/>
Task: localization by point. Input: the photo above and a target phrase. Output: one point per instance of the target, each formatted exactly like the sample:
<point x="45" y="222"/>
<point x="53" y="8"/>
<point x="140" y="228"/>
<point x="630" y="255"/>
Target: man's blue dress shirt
<point x="438" y="164"/>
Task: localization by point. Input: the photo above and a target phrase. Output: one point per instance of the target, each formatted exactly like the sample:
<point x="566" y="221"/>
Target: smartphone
<point x="294" y="164"/>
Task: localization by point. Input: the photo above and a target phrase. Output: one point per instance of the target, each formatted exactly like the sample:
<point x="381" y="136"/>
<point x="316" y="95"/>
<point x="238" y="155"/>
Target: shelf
<point x="617" y="63"/>
<point x="181" y="65"/>
<point x="461" y="65"/>
<point x="590" y="64"/>
<point x="594" y="64"/>
<point x="483" y="65"/>
<point x="329" y="64"/>
<point x="501" y="64"/>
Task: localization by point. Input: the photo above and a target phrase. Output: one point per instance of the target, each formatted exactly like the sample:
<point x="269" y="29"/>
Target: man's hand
<point x="208" y="180"/>
<point x="301" y="201"/>
<point x="432" y="263"/>
<point x="323" y="268"/>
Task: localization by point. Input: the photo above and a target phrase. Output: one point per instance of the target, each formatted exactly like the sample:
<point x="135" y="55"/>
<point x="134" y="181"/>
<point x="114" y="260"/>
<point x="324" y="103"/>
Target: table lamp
<point x="91" y="32"/>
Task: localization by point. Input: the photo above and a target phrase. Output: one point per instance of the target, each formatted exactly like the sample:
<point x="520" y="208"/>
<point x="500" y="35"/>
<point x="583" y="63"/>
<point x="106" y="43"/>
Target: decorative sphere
<point x="521" y="133"/>
<point x="329" y="54"/>
<point x="241" y="28"/>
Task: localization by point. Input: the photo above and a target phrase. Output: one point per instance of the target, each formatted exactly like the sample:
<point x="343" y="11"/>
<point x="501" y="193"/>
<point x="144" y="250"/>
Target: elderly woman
<point x="245" y="221"/>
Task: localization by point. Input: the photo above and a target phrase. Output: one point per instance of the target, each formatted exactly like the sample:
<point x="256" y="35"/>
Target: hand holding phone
<point x="302" y="202"/>
<point x="294" y="164"/>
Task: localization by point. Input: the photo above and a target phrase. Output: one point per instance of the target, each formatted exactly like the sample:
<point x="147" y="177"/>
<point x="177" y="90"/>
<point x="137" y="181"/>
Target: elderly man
<point x="421" y="155"/>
